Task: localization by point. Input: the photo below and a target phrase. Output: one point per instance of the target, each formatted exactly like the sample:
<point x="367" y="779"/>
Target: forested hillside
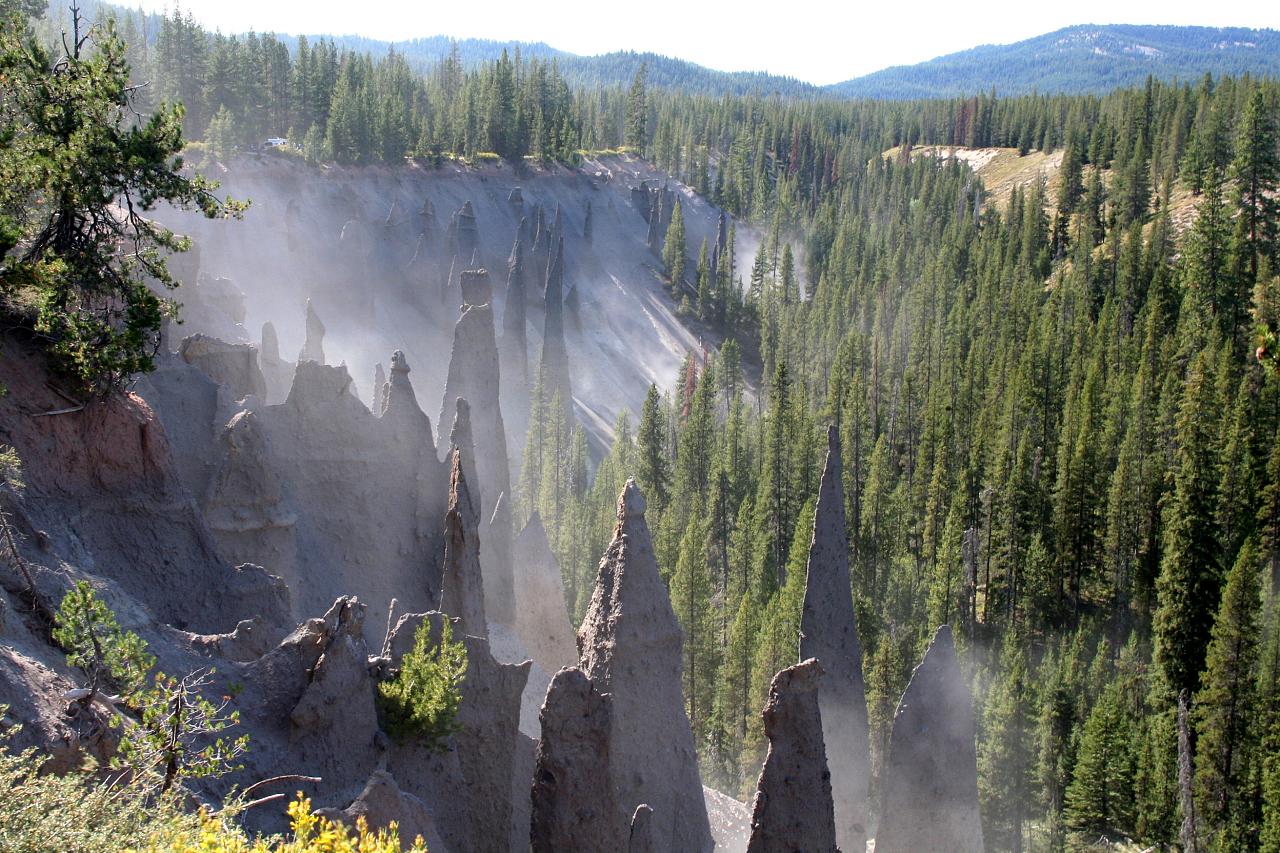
<point x="1057" y="438"/>
<point x="1076" y="60"/>
<point x="1059" y="415"/>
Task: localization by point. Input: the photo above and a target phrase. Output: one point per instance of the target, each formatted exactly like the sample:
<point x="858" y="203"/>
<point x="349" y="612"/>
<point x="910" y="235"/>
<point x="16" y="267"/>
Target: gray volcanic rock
<point x="489" y="745"/>
<point x="460" y="439"/>
<point x="515" y="341"/>
<point x="476" y="289"/>
<point x="931" y="775"/>
<point x="382" y="803"/>
<point x="497" y="563"/>
<point x="475" y="374"/>
<point x="399" y="400"/>
<point x="553" y="367"/>
<point x="463" y="590"/>
<point x="471" y="784"/>
<point x="641" y="200"/>
<point x="573" y="805"/>
<point x="630" y="646"/>
<point x="468" y="232"/>
<point x="427" y="221"/>
<point x="277" y="372"/>
<point x="828" y="632"/>
<point x="313" y="345"/>
<point x="233" y="366"/>
<point x="792" y="809"/>
<point x="641" y="838"/>
<point x="379" y="389"/>
<point x="541" y="618"/>
<point x="244" y="506"/>
<point x="366" y="494"/>
<point x="334" y="723"/>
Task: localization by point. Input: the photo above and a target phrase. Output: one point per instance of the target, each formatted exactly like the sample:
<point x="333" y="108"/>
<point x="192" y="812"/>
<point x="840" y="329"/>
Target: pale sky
<point x="821" y="42"/>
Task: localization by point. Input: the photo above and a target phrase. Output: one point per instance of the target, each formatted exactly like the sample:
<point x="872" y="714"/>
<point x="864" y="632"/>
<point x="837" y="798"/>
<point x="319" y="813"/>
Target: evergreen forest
<point x="1059" y="410"/>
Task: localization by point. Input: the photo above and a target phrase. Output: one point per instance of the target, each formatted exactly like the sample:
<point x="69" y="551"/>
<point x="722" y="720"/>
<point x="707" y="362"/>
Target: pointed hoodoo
<point x="277" y="373"/>
<point x="828" y="632"/>
<point x="475" y="373"/>
<point x="541" y="619"/>
<point x="554" y="365"/>
<point x="557" y="230"/>
<point x="379" y="390"/>
<point x="427" y="221"/>
<point x="515" y="342"/>
<point x="398" y="399"/>
<point x="543" y="247"/>
<point x="462" y="441"/>
<point x="270" y="348"/>
<point x="573" y="804"/>
<point x="630" y="646"/>
<point x="931" y="775"/>
<point x="313" y="346"/>
<point x="467" y="233"/>
<point x="463" y="593"/>
<point x="792" y="808"/>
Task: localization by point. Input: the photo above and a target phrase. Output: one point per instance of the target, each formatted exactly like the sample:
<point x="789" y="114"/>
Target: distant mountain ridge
<point x="617" y="68"/>
<point x="1078" y="59"/>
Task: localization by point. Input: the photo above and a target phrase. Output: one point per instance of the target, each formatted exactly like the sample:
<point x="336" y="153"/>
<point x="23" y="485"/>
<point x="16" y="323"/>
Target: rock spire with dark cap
<point x="463" y="593"/>
<point x="828" y="632"/>
<point x="931" y="775"/>
<point x="630" y="646"/>
<point x="573" y="804"/>
<point x="792" y="809"/>
<point x="399" y="399"/>
<point x="475" y="373"/>
<point x="313" y="346"/>
<point x="467" y="231"/>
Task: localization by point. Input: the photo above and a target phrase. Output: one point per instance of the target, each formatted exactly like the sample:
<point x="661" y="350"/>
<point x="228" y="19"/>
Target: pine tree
<point x="1189" y="579"/>
<point x="637" y="112"/>
<point x="673" y="248"/>
<point x="1099" y="799"/>
<point x="1226" y="722"/>
<point x="1255" y="171"/>
<point x="651" y="471"/>
<point x="1005" y="755"/>
<point x="691" y="590"/>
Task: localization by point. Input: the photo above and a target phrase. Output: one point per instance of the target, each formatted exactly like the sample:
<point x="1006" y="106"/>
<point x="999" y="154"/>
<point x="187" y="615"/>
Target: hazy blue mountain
<point x="1078" y="59"/>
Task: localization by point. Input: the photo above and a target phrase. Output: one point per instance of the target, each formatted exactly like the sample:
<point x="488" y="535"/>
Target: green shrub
<point x="88" y="632"/>
<point x="179" y="732"/>
<point x="81" y="812"/>
<point x="82" y="264"/>
<point x="422" y="698"/>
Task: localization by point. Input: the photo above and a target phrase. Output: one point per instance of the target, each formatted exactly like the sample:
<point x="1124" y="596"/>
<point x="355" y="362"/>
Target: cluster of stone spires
<point x="616" y="764"/>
